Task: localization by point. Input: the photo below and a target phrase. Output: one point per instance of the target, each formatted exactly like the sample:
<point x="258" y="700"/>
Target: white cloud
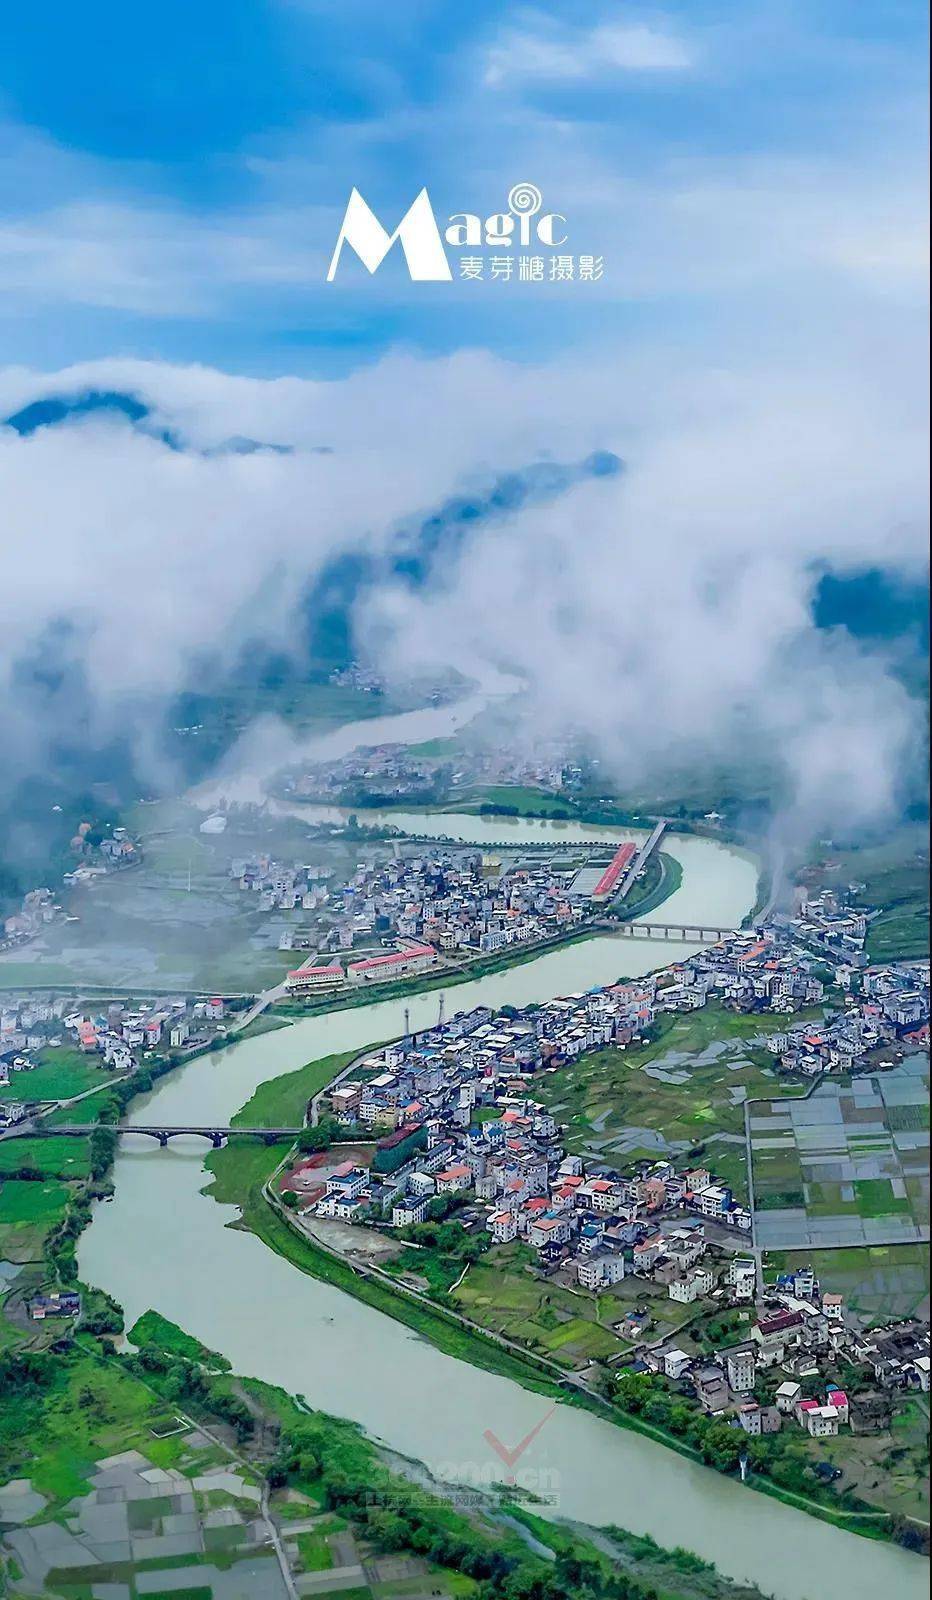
<point x="656" y="613"/>
<point x="541" y="49"/>
<point x="139" y="257"/>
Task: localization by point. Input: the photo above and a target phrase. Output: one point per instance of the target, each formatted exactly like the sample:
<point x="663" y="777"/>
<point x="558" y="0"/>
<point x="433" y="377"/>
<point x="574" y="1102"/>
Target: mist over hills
<point x="165" y="568"/>
<point x="56" y="410"/>
<point x="219" y="696"/>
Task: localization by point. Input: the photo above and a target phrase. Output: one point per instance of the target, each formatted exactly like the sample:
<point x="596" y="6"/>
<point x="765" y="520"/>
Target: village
<point x="448" y="905"/>
<point x="55" y="1049"/>
<point x="658" y="1271"/>
<point x="463" y="1139"/>
<point x="390" y="774"/>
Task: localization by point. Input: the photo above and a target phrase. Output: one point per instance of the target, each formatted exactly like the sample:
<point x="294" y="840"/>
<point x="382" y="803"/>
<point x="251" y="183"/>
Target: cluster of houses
<point x="395" y="772"/>
<point x="98" y="856"/>
<point x="455" y="901"/>
<point x="890" y="1007"/>
<point x="800" y="1332"/>
<point x="453" y="1103"/>
<point x="123" y="1028"/>
<point x="356" y="676"/>
<point x="37" y="909"/>
<point x="832" y="923"/>
<point x="897" y="1355"/>
<point x="386" y="771"/>
<point x="768" y="970"/>
<point x="759" y="970"/>
<point x="448" y="903"/>
<point x="115" y="1036"/>
<point x="283" y="886"/>
<point x="899" y="995"/>
<point x="55" y="1303"/>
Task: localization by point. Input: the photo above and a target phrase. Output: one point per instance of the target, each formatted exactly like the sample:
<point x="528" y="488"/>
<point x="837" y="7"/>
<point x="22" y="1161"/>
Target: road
<point x="264" y="1000"/>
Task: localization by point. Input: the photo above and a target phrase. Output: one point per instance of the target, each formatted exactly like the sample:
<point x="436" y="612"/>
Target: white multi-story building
<point x="599" y="1270"/>
<point x="741" y="1368"/>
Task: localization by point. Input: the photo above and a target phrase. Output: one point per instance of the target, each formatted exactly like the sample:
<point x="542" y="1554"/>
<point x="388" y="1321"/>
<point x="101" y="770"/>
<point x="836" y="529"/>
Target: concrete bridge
<point x="641" y="859"/>
<point x="689" y="932"/>
<point x="164" y="1132"/>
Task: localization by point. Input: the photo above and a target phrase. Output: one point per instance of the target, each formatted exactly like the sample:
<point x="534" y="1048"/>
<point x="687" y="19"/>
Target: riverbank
<point x="447" y="978"/>
<point x="664" y="881"/>
<point x="76" y="1403"/>
<point x="457" y="1336"/>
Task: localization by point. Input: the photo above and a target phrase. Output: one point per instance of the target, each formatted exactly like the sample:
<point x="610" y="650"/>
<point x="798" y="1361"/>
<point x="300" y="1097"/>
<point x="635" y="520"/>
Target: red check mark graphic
<point x="511" y="1456"/>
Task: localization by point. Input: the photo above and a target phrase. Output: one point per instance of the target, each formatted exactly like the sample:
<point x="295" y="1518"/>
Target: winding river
<point x="163" y="1243"/>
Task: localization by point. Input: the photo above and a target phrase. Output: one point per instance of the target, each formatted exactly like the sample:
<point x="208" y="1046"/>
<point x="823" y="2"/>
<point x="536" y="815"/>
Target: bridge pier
<point x="163" y="1140"/>
<point x="216" y="1140"/>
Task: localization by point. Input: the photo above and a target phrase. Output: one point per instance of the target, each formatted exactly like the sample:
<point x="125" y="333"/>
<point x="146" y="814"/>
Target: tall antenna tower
<point x="407" y="1022"/>
<point x="441" y="1010"/>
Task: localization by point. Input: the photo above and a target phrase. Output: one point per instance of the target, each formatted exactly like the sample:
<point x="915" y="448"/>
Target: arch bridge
<point x="164" y="1132"/>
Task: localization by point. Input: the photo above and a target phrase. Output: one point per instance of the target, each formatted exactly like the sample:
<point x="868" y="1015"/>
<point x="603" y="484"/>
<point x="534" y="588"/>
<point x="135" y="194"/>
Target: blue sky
<point x="172" y="176"/>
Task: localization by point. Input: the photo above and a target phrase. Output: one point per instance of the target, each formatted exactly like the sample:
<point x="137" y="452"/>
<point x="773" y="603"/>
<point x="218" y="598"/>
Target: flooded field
<point x="179" y="920"/>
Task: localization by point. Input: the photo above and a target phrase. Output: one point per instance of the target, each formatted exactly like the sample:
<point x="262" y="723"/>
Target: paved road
<point x="266" y="999"/>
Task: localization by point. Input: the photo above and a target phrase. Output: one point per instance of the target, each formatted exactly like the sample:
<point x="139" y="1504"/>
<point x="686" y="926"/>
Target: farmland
<point x="29" y="1210"/>
<point x="178" y="920"/>
<point x="58" y="1074"/>
<point x="568" y="1326"/>
<point x="895" y="875"/>
<point x="846" y="1166"/>
<point x="879" y="1282"/>
<point x="683" y="1091"/>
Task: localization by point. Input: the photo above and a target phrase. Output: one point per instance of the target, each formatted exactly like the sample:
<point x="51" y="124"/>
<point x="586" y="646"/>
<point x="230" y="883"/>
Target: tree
<point x="314" y="1139"/>
<point x="103" y="1143"/>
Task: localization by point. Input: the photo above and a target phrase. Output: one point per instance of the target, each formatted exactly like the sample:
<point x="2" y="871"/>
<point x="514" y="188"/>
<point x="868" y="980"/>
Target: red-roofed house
<point x="453" y="1179"/>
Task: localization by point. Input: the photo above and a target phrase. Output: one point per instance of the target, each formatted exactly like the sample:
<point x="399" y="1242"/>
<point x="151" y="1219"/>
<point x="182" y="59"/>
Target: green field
<point x="154" y="1329"/>
<point x="282" y="1102"/>
<point x="528" y="802"/>
<point x="895" y="874"/>
<point x="89" y="1409"/>
<point x="889" y="1470"/>
<point x="609" y="1101"/>
<point x="878" y="1281"/>
<point x="58" y="1074"/>
<point x="52" y="1157"/>
<point x="570" y="1327"/>
<point x="31" y="1203"/>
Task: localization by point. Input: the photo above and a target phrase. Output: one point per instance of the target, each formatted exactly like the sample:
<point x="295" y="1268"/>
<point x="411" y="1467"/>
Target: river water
<point x="163" y="1243"/>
